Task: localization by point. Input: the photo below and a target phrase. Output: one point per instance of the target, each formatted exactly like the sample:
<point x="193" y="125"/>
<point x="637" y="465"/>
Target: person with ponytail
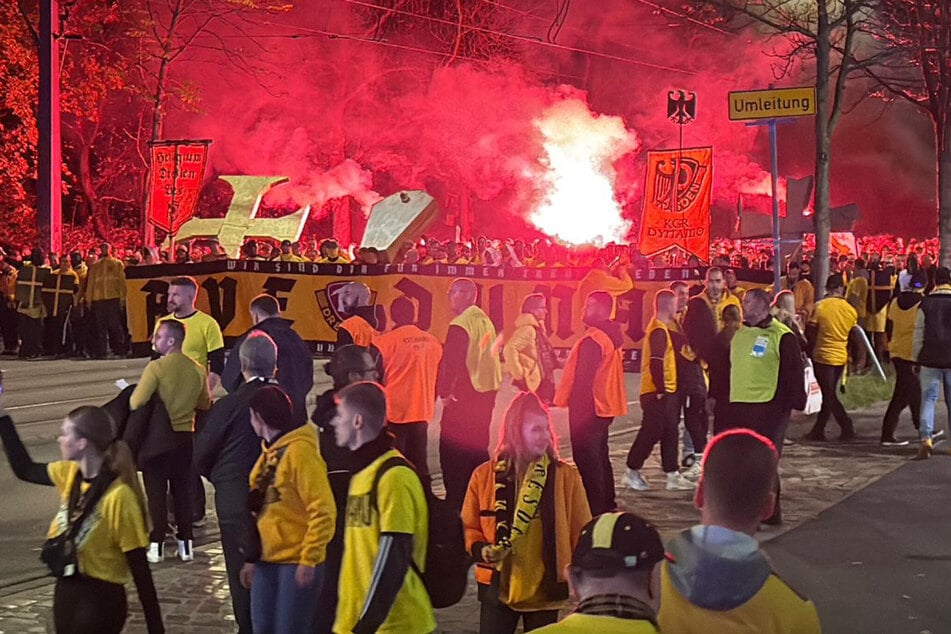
<point x="523" y="515"/>
<point x="111" y="542"/>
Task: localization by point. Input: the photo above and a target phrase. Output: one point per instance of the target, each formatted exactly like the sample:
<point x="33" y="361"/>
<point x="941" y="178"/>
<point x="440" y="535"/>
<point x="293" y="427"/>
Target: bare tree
<point x="917" y="36"/>
<point x="832" y="36"/>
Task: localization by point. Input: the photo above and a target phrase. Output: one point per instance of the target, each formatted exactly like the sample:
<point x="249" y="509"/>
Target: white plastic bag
<point x="813" y="393"/>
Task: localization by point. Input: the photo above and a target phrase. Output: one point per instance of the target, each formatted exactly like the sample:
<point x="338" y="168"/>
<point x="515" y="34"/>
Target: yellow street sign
<point x="778" y="103"/>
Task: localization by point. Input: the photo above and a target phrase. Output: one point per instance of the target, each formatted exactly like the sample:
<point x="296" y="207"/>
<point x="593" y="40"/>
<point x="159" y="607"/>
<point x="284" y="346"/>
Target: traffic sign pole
<point x="771" y="107"/>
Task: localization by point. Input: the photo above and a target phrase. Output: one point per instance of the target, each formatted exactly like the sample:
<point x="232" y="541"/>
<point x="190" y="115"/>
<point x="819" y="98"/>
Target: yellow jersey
<point x="115" y="527"/>
<point x="202" y="335"/>
<point x="834" y="318"/>
<point x="401" y="508"/>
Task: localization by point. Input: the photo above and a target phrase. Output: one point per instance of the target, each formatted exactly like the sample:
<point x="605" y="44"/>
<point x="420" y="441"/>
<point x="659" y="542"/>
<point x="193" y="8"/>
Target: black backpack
<point x="447" y="562"/>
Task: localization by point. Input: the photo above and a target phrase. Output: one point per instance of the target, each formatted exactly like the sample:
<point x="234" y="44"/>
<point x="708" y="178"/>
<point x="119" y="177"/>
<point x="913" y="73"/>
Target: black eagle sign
<point x="681" y="106"/>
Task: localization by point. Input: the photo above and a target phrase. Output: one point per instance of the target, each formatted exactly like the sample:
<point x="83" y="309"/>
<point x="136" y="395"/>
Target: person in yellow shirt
<point x="717" y="295"/>
<point x="294" y="509"/>
<point x="287" y="252"/>
<point x="179" y="383"/>
<point x="900" y="331"/>
<point x="715" y="577"/>
<point x="330" y="253"/>
<point x="615" y="280"/>
<point x="615" y="577"/>
<point x="828" y="336"/>
<point x="856" y="294"/>
<point x="111" y="541"/>
<point x="105" y="296"/>
<point x="387" y="526"/>
<point x="796" y="281"/>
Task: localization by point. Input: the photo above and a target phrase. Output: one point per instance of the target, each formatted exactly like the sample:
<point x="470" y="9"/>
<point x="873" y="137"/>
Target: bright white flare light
<point x="579" y="205"/>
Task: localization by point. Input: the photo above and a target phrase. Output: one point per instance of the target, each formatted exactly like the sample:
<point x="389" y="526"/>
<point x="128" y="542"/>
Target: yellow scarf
<point x="510" y="527"/>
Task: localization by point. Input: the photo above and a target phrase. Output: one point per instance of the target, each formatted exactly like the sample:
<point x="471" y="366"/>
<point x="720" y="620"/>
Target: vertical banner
<point x="687" y="226"/>
<point x="175" y="175"/>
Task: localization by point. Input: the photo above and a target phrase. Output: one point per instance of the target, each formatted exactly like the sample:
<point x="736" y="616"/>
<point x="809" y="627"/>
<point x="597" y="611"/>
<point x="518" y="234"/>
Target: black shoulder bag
<point x="59" y="553"/>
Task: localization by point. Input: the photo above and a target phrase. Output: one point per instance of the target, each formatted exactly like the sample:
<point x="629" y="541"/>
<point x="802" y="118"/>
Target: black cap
<point x="618" y="541"/>
<point x="286" y="243"/>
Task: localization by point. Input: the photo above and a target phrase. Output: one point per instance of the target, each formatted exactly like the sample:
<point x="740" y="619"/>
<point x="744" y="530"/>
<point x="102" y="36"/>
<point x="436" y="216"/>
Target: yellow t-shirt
<point x="180" y="383"/>
<point x="202" y="335"/>
<point x="587" y="623"/>
<point x="115" y="527"/>
<point x="835" y="317"/>
<point x="402" y="509"/>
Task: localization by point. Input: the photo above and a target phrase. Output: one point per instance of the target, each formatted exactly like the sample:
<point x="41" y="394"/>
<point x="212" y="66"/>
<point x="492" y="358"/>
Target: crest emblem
<point x="689" y="181"/>
<point x="330" y="307"/>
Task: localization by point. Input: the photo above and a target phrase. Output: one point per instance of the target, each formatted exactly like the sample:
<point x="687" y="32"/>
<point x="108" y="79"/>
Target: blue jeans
<point x="278" y="606"/>
<point x="931" y="380"/>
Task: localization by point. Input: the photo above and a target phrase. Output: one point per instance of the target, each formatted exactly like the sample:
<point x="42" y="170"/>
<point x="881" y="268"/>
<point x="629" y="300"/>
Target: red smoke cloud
<point x="345" y="117"/>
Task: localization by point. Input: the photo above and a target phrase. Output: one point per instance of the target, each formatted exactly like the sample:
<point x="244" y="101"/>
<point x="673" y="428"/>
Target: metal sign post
<point x="772" y="107"/>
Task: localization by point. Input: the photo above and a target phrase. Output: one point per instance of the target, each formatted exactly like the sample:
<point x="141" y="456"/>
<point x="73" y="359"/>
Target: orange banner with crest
<point x="666" y="224"/>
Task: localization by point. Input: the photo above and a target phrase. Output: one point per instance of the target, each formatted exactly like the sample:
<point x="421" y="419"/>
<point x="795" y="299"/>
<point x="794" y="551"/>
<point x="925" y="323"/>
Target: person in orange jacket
<point x="523" y="514"/>
<point x="592" y="387"/>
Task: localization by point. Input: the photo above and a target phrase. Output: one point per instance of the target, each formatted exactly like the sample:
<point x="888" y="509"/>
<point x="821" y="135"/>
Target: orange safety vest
<point x="610" y="396"/>
<point x="361" y="332"/>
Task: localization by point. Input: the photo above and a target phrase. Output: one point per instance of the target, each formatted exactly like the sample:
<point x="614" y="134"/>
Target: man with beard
<point x="592" y="387"/>
<point x="362" y="322"/>
<point x="295" y="364"/>
<point x="716" y="295"/>
<point x="470" y="374"/>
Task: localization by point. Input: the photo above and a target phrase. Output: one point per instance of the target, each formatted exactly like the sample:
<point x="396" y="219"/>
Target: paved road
<point x="891" y="526"/>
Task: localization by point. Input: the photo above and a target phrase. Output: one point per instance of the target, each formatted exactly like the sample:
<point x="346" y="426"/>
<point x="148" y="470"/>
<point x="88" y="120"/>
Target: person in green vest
<point x="766" y="376"/>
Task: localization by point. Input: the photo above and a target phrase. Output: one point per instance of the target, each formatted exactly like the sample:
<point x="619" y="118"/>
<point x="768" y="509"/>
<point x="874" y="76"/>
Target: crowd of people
<point x="326" y="516"/>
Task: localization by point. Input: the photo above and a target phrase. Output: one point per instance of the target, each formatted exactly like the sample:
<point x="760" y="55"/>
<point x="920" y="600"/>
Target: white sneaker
<point x="185" y="550"/>
<point x="635" y="480"/>
<point x="676" y="482"/>
<point x="693" y="473"/>
<point x="156" y="554"/>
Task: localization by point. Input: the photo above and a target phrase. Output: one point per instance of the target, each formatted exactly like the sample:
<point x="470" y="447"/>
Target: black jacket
<point x="933" y="329"/>
<point x="226" y="447"/>
<point x="147" y="430"/>
<point x="295" y="363"/>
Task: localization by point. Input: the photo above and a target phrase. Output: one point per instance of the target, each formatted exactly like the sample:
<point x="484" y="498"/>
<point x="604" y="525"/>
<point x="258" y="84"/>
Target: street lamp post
<point x="49" y="189"/>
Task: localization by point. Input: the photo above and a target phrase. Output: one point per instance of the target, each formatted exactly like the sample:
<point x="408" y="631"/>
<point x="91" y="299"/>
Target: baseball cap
<point x="618" y="541"/>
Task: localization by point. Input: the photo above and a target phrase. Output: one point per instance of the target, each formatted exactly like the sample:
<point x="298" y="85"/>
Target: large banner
<point x="686" y="223"/>
<point x="305" y="292"/>
<point x="175" y="176"/>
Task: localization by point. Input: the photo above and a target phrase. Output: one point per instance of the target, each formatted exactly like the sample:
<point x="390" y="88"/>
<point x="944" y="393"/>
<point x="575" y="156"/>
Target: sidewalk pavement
<point x="816" y="476"/>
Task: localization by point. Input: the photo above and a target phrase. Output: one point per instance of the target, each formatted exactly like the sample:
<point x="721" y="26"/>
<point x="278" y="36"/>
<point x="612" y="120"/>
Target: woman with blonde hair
<point x="98" y="539"/>
<point x="523" y="514"/>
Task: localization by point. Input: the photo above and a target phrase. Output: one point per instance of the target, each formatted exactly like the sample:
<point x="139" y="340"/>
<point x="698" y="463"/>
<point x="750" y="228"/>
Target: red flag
<point x="175" y="176"/>
<point x="687" y="226"/>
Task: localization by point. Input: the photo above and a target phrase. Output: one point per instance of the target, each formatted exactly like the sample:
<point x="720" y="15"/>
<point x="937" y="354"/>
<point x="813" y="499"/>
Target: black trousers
<point x="828" y="377"/>
<point x="693" y="404"/>
<point x="658" y="425"/>
<point x="31" y="336"/>
<point x="83" y="605"/>
<point x="410" y="439"/>
<point x="8" y="326"/>
<point x="170" y="471"/>
<point x="234" y="521"/>
<point x="53" y="334"/>
<point x="589" y="449"/>
<point x="464" y="441"/>
<point x="107" y="324"/>
<point x="497" y="618"/>
<point x="907" y="394"/>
